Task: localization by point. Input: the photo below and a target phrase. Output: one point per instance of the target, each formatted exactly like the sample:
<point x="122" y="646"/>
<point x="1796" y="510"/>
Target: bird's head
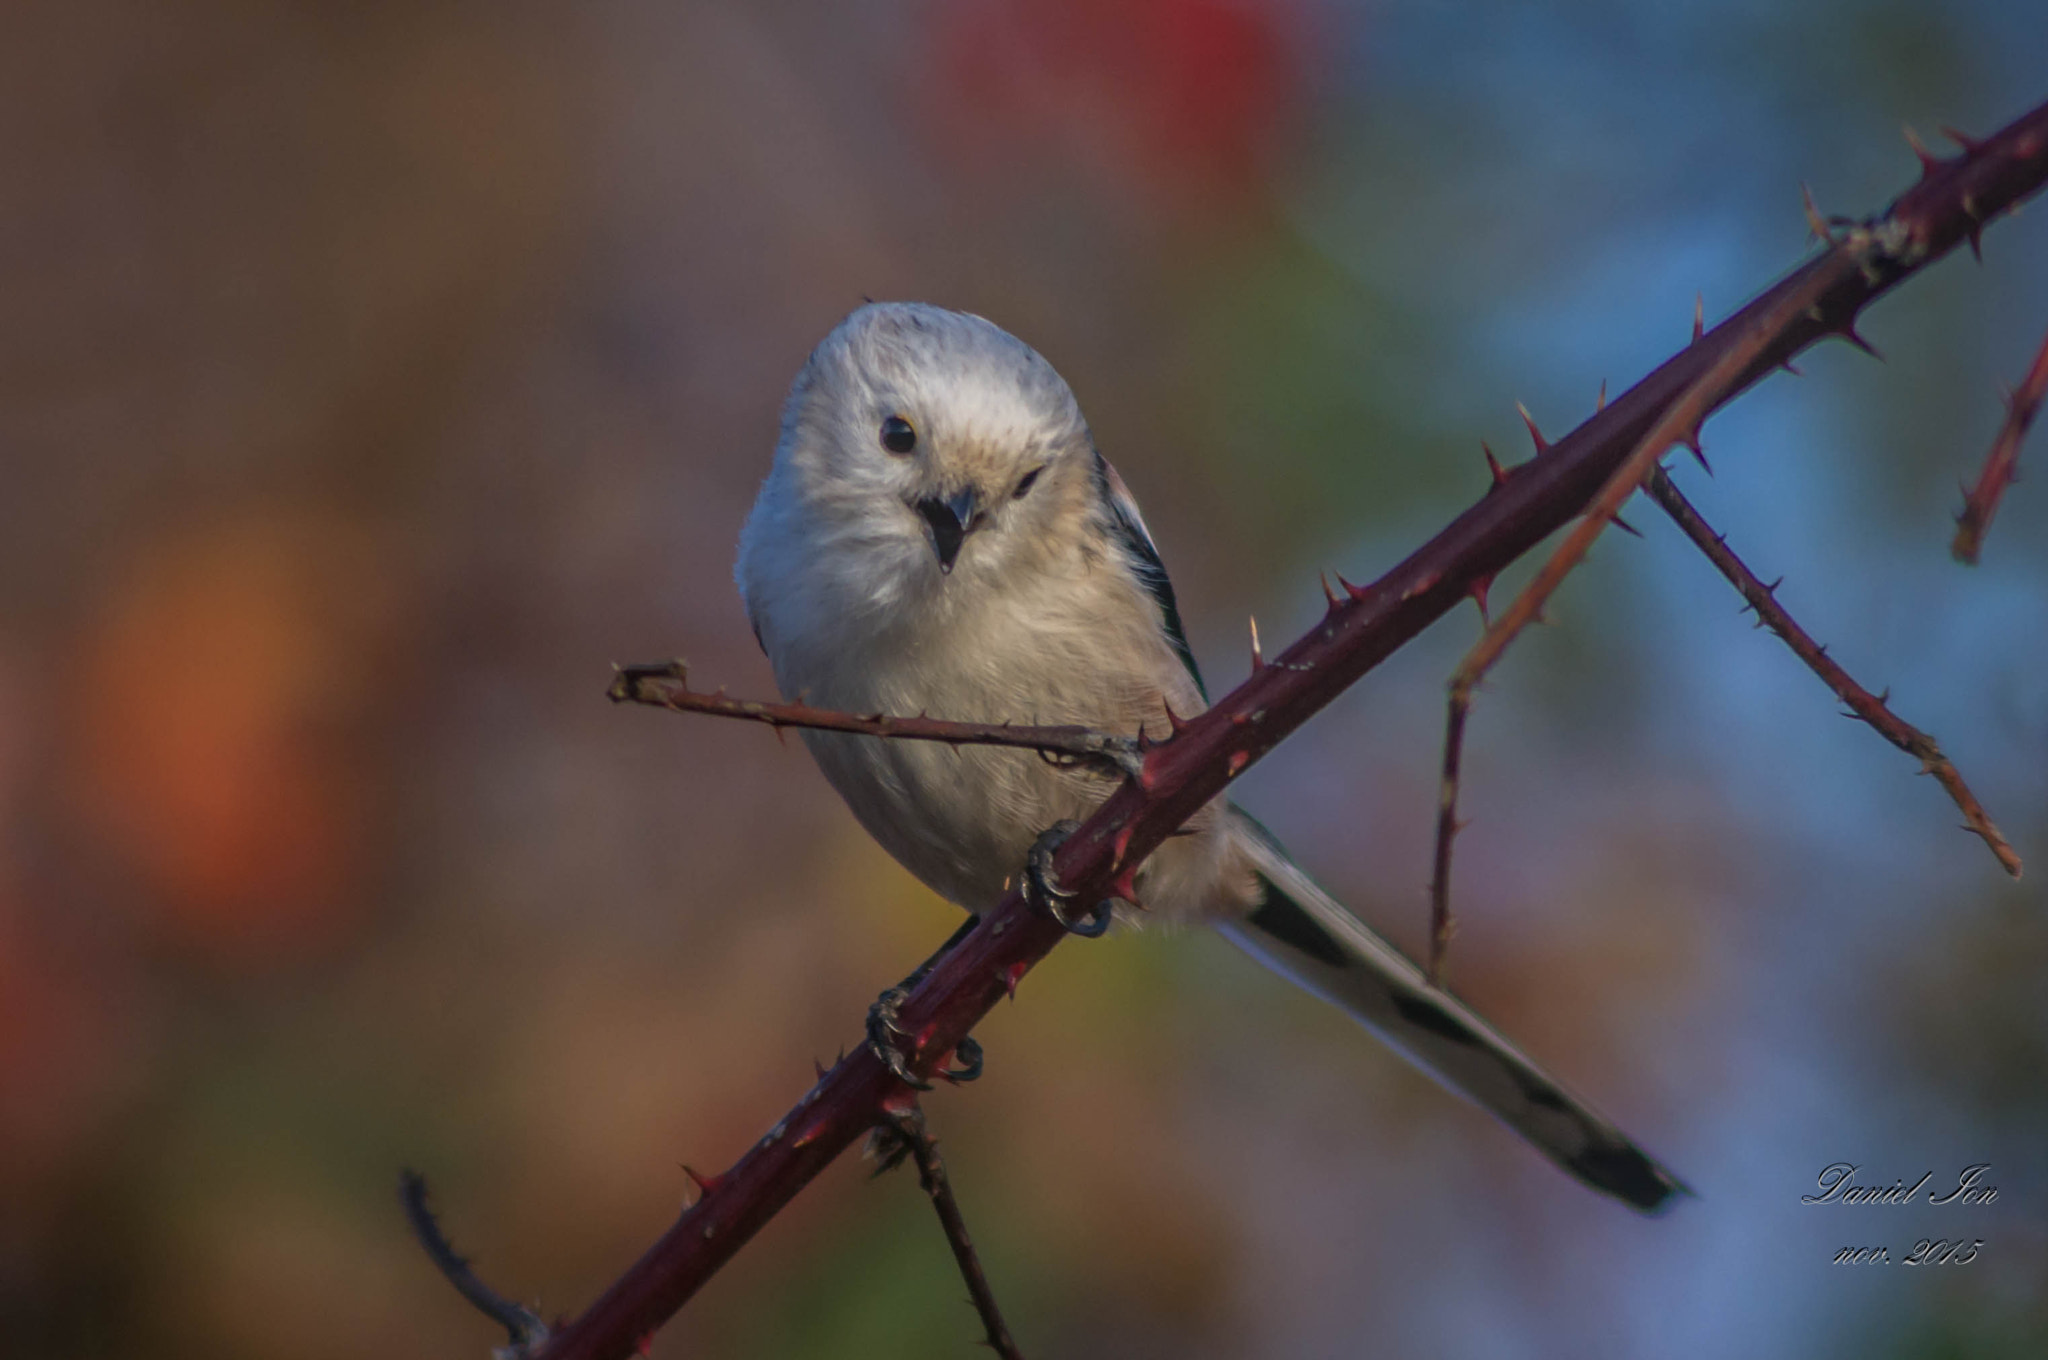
<point x="935" y="443"/>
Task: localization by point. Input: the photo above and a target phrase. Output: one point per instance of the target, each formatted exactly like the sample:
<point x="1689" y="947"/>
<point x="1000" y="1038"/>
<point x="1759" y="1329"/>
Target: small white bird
<point x="940" y="535"/>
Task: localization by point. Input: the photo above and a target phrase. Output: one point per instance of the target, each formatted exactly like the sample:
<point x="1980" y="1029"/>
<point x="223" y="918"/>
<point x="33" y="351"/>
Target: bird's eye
<point x="898" y="435"/>
<point x="1025" y="485"/>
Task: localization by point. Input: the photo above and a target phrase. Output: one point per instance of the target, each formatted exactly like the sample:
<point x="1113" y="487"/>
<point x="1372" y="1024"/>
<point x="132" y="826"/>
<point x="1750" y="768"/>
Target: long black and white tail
<point x="1304" y="934"/>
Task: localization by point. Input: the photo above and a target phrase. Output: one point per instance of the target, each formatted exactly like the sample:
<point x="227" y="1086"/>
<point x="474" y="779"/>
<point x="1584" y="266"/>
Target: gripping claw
<point x="1047" y="898"/>
<point x="885" y="1034"/>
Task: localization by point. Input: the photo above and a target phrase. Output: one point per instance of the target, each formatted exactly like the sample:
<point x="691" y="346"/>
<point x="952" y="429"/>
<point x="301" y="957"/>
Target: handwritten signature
<point x="1838" y="1185"/>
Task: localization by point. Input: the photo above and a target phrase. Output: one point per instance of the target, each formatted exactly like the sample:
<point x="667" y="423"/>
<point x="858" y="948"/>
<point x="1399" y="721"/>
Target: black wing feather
<point x="1129" y="529"/>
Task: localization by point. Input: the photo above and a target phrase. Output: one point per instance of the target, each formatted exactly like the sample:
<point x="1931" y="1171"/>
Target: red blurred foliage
<point x="1184" y="96"/>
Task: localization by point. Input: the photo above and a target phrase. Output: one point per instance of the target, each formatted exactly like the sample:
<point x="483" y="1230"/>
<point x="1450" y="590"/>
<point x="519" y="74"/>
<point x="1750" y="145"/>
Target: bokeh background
<point x="373" y="376"/>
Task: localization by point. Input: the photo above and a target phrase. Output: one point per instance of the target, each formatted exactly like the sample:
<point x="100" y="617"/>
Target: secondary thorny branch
<point x="667" y="685"/>
<point x="2001" y="468"/>
<point x="1871" y="708"/>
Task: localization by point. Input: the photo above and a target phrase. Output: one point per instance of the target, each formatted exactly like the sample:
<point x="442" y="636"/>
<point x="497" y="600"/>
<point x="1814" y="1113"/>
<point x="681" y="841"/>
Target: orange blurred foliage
<point x="222" y="674"/>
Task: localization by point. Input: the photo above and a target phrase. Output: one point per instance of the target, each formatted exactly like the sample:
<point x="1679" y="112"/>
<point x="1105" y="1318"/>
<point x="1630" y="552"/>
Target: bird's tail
<point x="1304" y="934"/>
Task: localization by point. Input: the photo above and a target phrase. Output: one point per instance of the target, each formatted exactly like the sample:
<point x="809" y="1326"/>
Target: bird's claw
<point x="1047" y="898"/>
<point x="884" y="1034"/>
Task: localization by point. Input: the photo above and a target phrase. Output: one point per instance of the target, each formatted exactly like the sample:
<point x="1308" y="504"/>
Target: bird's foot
<point x="1047" y="898"/>
<point x="885" y="1036"/>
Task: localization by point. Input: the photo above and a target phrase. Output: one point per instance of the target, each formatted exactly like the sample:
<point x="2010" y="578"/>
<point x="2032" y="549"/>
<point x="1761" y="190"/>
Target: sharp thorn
<point x="1815" y="223"/>
<point x="1963" y="140"/>
<point x="1258" y="657"/>
<point x="1849" y="332"/>
<point x="1692" y="443"/>
<point x="1600" y="403"/>
<point x="1480" y="585"/>
<point x="1699" y="316"/>
<point x="1542" y="444"/>
<point x="1500" y="474"/>
<point x="1329" y="595"/>
<point x="1618" y="522"/>
<point x="1929" y="162"/>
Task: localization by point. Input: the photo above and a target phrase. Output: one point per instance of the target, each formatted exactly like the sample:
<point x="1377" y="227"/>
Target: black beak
<point x="952" y="520"/>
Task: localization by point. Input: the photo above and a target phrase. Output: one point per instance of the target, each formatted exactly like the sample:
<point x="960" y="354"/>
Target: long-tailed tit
<point x="940" y="535"/>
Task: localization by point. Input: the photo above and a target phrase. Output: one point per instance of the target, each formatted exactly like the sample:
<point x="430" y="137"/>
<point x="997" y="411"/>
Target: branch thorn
<point x="1500" y="474"/>
<point x="1480" y="585"/>
<point x="1692" y="443"/>
<point x="1536" y="435"/>
<point x="1848" y="332"/>
<point x="1816" y="225"/>
<point x="1929" y="162"/>
<point x="1961" y="139"/>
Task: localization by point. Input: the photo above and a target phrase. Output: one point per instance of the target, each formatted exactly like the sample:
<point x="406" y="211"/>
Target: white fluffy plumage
<point x="1043" y="617"/>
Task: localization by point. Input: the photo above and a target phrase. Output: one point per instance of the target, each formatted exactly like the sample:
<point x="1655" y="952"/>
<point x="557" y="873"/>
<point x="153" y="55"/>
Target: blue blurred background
<point x="375" y="375"/>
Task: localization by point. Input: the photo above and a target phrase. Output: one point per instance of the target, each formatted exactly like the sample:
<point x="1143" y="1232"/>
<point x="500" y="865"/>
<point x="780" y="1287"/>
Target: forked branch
<point x="1680" y="422"/>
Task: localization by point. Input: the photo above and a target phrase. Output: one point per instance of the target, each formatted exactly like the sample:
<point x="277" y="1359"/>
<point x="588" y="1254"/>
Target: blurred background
<point x="373" y="376"/>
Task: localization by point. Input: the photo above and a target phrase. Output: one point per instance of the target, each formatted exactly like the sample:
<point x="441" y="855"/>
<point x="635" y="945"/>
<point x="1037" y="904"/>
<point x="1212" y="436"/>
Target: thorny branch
<point x="667" y="685"/>
<point x="906" y="1131"/>
<point x="1871" y="708"/>
<point x="527" y="1332"/>
<point x="2001" y="468"/>
<point x="1951" y="204"/>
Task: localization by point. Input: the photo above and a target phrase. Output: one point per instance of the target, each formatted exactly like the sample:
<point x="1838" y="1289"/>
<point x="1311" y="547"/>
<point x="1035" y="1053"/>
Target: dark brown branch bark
<point x="667" y="685"/>
<point x="527" y="1332"/>
<point x="907" y="1125"/>
<point x="1871" y="708"/>
<point x="1951" y="204"/>
<point x="2001" y="468"/>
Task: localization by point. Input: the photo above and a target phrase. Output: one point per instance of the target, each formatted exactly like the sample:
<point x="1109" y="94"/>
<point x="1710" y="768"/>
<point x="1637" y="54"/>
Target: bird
<point x="938" y="533"/>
